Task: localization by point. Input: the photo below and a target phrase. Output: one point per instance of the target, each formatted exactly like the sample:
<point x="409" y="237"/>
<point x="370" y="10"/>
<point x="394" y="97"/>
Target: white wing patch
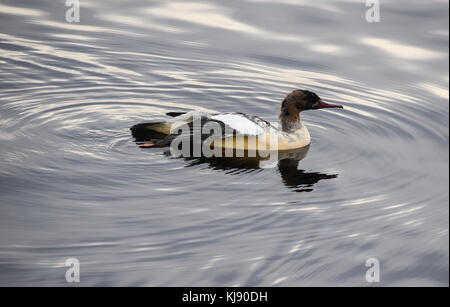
<point x="240" y="123"/>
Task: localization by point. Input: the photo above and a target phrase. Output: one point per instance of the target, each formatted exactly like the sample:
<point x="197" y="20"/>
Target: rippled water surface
<point x="73" y="183"/>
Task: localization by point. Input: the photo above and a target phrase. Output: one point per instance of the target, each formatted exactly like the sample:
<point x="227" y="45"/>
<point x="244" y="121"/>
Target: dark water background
<point x="73" y="183"/>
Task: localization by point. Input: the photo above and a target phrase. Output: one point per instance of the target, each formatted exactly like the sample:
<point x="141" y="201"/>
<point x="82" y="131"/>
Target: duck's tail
<point x="152" y="133"/>
<point x="150" y="130"/>
<point x="159" y="127"/>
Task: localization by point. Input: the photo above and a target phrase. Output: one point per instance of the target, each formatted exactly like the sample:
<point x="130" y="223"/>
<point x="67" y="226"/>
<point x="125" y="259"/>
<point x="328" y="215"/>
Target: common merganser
<point x="245" y="132"/>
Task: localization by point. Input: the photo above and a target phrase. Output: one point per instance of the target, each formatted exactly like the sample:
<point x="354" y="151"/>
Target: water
<point x="74" y="184"/>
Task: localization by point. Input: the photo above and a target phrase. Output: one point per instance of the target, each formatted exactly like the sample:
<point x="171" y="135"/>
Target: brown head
<point x="298" y="101"/>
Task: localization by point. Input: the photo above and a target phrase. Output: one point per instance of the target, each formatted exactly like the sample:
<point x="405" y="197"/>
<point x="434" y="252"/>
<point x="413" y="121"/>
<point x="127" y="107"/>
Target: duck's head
<point x="298" y="101"/>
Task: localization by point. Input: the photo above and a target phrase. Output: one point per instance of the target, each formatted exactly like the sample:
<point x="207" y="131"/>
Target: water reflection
<point x="297" y="180"/>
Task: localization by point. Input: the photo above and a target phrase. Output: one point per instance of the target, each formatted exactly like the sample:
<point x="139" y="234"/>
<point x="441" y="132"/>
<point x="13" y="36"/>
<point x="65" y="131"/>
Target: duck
<point x="236" y="130"/>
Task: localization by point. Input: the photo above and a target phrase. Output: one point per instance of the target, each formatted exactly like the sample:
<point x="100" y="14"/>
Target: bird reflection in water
<point x="297" y="180"/>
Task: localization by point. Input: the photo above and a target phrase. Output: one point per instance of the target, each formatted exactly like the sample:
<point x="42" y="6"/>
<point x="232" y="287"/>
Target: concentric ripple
<point x="73" y="183"/>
